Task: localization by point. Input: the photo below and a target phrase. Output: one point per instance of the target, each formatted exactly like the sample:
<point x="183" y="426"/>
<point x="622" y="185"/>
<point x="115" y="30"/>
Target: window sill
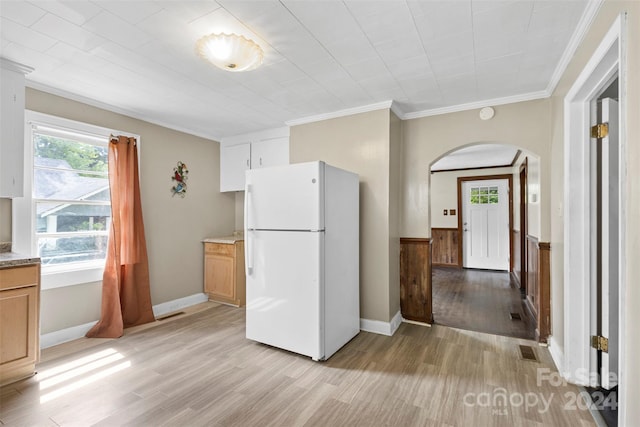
<point x="59" y="277"/>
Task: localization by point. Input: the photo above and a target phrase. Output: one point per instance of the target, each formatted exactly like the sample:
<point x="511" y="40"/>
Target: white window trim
<point x="23" y="224"/>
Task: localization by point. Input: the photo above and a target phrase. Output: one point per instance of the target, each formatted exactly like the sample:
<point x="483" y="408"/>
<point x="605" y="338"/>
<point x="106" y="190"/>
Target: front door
<point x="485" y="224"/>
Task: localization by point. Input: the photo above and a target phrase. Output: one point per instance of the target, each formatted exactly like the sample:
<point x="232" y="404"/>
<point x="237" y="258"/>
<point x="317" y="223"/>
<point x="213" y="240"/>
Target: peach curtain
<point x="126" y="297"/>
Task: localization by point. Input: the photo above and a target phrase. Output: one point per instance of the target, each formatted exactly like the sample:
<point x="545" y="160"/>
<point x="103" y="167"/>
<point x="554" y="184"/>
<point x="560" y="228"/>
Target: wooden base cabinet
<point x="224" y="277"/>
<point x="19" y="322"/>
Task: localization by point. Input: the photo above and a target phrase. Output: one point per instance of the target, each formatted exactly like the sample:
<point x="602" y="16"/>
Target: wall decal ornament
<point x="180" y="176"/>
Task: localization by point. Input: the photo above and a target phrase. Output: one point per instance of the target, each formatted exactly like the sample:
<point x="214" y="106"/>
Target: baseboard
<point x="382" y="328"/>
<point x="413" y="322"/>
<point x="556" y="353"/>
<point x="178" y="304"/>
<point x="516" y="279"/>
<point x="64" y="335"/>
<point x="75" y="332"/>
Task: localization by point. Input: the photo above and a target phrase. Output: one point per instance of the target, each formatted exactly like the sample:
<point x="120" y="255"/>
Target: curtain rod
<point x="113" y="137"/>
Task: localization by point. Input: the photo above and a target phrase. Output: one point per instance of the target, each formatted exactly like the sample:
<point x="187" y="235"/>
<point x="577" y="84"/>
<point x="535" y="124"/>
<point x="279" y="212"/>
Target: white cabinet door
<point x="234" y="161"/>
<point x="271" y="152"/>
<point x="12" y="134"/>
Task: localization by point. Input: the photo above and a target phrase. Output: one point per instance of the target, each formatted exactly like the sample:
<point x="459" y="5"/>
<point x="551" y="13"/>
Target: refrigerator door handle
<point x="248" y="253"/>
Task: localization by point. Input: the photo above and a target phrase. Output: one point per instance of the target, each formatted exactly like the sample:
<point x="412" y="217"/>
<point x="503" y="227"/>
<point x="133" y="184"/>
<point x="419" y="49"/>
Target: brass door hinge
<point x="600" y="130"/>
<point x="600" y="343"/>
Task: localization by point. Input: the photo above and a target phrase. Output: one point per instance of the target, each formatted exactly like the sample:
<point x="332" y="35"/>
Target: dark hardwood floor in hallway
<point x="480" y="300"/>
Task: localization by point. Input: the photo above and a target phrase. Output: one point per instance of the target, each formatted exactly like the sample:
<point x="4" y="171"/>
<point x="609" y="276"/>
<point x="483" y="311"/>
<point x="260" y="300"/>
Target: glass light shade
<point x="230" y="52"/>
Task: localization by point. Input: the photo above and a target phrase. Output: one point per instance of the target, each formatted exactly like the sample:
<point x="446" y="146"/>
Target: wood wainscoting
<point x="516" y="272"/>
<point x="445" y="247"/>
<point x="538" y="296"/>
<point x="415" y="280"/>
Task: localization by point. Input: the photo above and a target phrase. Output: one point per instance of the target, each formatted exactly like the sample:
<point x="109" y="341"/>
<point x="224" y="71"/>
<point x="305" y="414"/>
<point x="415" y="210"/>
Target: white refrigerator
<point x="302" y="257"/>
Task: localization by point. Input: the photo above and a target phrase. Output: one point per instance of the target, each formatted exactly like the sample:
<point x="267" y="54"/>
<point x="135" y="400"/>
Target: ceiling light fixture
<point x="230" y="52"/>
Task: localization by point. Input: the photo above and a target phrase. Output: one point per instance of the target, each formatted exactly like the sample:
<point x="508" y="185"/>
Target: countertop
<point x="12" y="259"/>
<point x="225" y="239"/>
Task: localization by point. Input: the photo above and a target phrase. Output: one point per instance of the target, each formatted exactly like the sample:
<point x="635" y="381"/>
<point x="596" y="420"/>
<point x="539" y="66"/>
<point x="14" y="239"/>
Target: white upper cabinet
<point x="270" y="152"/>
<point x="234" y="161"/>
<point x="12" y="128"/>
<point x="251" y="151"/>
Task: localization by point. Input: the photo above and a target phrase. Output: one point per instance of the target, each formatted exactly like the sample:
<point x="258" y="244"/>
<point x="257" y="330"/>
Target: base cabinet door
<point x="219" y="281"/>
<point x="19" y="328"/>
<point x="224" y="278"/>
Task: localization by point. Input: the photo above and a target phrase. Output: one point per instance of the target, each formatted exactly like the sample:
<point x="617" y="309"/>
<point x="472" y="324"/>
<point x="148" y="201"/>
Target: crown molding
<point x="478" y="104"/>
<point x="262" y="135"/>
<point x="15" y="66"/>
<point x="589" y="14"/>
<point x="92" y="102"/>
<point x="341" y="113"/>
<point x="397" y="110"/>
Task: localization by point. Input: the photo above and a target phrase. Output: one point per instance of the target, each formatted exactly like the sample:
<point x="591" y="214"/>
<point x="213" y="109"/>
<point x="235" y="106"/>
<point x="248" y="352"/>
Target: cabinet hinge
<point x="600" y="130"/>
<point x="600" y="343"/>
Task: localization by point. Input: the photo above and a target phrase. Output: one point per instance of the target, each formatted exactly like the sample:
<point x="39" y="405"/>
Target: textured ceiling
<point x="138" y="57"/>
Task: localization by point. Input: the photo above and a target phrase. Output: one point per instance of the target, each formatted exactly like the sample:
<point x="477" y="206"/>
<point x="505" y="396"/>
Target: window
<point x="71" y="195"/>
<point x="484" y="195"/>
<point x="65" y="215"/>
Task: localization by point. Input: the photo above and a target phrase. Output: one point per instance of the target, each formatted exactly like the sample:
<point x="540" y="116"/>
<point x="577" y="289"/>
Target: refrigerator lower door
<point x="284" y="290"/>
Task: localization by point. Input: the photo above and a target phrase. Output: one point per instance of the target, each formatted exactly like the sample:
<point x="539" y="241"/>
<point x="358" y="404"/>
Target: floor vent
<point x="515" y="316"/>
<point x="169" y="316"/>
<point x="527" y="353"/>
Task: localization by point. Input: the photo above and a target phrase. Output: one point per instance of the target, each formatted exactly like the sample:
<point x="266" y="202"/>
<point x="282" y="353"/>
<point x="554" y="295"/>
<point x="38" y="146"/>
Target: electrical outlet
<point x="452" y="211"/>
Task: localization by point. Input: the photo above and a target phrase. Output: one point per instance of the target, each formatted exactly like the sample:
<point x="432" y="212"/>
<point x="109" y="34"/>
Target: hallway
<point x="480" y="300"/>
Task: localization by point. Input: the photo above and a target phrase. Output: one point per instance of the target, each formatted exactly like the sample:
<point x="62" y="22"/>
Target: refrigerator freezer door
<point x="284" y="290"/>
<point x="285" y="197"/>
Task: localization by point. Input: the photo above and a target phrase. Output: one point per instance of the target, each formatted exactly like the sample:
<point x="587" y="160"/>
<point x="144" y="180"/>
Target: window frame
<point x="24" y="219"/>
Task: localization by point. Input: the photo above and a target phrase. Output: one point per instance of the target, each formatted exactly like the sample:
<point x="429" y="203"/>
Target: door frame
<point x="524" y="224"/>
<point x="574" y="358"/>
<point x="461" y="179"/>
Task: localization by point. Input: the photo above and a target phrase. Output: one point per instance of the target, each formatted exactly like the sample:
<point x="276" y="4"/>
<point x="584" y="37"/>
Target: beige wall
<point x="174" y="226"/>
<point x="239" y="207"/>
<point x="5" y="220"/>
<point x="630" y="390"/>
<point x="359" y="143"/>
<point x="444" y="194"/>
<point x="425" y="140"/>
<point x="395" y="190"/>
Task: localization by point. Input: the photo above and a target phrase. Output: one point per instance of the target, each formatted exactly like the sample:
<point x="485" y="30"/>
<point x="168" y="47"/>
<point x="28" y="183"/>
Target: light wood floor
<point x="199" y="370"/>
<point x="480" y="300"/>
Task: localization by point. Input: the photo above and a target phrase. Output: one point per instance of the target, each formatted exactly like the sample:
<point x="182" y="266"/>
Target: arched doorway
<point x="482" y="198"/>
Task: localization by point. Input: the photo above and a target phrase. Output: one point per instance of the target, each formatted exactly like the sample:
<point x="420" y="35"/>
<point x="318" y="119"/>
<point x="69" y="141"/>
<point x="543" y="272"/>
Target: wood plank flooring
<point x="480" y="300"/>
<point x="199" y="370"/>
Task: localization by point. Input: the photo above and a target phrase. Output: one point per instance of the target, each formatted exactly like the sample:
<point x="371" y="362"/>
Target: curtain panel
<point x="126" y="296"/>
